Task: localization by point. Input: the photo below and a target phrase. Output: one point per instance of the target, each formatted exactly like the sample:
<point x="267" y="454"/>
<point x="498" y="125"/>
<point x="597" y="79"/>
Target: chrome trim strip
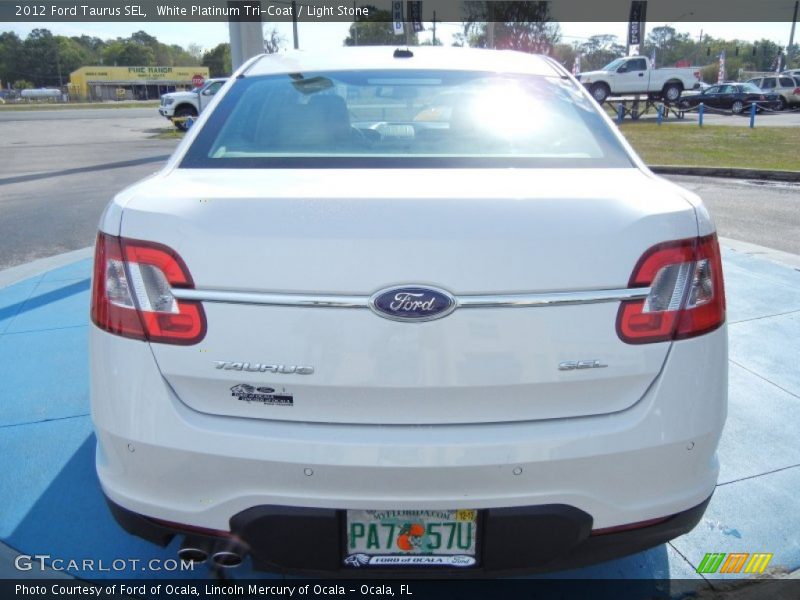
<point x="269" y="299"/>
<point x="343" y="301"/>
<point x="551" y="298"/>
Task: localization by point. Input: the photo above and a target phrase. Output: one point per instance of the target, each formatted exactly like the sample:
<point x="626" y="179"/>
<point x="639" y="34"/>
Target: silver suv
<point x="785" y="86"/>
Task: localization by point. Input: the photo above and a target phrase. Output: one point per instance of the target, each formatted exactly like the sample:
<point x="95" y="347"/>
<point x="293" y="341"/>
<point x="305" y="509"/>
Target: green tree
<point x="126" y="53"/>
<point x="598" y="51"/>
<point x="71" y="55"/>
<point x="565" y="54"/>
<point x="218" y="60"/>
<point x="10" y="57"/>
<point x="39" y="60"/>
<point x="377" y="30"/>
<point x="524" y="26"/>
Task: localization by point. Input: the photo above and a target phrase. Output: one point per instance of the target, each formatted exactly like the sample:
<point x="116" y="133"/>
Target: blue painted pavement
<point x="52" y="503"/>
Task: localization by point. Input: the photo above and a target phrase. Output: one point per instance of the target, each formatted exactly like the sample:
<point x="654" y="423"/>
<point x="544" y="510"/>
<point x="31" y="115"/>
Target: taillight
<point x="796" y="91"/>
<point x="686" y="298"/>
<point x="132" y="292"/>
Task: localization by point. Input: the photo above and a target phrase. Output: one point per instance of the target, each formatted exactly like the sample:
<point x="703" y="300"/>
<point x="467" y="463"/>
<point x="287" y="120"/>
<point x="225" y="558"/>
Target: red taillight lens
<point x="687" y="296"/>
<point x="132" y="292"/>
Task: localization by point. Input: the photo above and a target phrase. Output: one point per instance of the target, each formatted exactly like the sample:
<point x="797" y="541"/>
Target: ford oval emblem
<point x="412" y="303"/>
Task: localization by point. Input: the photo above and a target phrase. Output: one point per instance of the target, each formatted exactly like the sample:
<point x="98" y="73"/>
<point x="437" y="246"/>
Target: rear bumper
<point x="514" y="541"/>
<point x="655" y="459"/>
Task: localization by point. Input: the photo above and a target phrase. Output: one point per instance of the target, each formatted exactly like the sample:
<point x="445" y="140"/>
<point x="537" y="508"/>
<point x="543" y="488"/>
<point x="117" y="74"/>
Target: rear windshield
<point x="402" y="118"/>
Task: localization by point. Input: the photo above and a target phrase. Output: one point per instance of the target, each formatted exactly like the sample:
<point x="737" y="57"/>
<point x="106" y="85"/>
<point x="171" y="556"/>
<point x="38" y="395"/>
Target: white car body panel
<point x="663" y="451"/>
<point x="477" y="365"/>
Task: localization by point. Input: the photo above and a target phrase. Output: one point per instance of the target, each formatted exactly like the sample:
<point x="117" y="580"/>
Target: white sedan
<point x="403" y="310"/>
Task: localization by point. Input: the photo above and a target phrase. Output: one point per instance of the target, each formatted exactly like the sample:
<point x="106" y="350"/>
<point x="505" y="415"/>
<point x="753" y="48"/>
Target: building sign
<point x="96" y="77"/>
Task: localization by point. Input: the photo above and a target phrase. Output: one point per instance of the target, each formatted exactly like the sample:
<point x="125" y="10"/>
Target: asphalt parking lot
<point x="57" y="173"/>
<point x="58" y="170"/>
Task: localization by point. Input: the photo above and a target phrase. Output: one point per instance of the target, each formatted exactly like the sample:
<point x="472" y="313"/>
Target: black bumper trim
<point x="514" y="541"/>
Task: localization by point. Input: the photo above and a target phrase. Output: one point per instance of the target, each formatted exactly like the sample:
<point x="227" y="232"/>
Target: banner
<point x="414" y="15"/>
<point x="636" y="22"/>
<point x="721" y="75"/>
<point x="397" y="17"/>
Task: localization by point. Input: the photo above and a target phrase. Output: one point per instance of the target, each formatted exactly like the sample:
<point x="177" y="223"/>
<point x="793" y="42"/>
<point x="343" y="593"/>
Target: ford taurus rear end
<point x="389" y="312"/>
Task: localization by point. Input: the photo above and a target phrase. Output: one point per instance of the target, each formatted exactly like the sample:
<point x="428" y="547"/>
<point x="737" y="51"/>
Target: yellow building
<point x="131" y="83"/>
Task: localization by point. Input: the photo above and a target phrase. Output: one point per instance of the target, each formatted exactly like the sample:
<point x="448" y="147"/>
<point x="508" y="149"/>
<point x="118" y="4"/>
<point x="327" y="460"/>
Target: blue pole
<point x="660" y="113"/>
<point x="752" y="115"/>
<point x="700" y="112"/>
<point x="620" y="112"/>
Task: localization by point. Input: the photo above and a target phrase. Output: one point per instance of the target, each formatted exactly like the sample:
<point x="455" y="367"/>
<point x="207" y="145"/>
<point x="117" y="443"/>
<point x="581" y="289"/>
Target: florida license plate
<point x="412" y="538"/>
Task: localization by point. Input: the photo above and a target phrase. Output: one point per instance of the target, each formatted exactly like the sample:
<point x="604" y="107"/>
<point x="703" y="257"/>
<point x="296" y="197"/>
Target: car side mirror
<point x="623" y="69"/>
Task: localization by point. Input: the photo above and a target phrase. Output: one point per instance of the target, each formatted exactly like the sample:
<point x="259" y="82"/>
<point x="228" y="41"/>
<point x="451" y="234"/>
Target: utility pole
<point x="791" y="35"/>
<point x="434" y="28"/>
<point x="294" y="24"/>
<point x="490" y="25"/>
<point x="355" y="24"/>
<point x="247" y="39"/>
<point x="407" y="24"/>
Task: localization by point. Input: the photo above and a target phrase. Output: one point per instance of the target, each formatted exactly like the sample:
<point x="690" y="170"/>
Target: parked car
<point x="736" y="97"/>
<point x="337" y="337"/>
<point x="795" y="73"/>
<point x="633" y="75"/>
<point x="178" y="106"/>
<point x="785" y="87"/>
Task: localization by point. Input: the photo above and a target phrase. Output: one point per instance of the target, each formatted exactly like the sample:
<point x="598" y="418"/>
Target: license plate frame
<point x="420" y="556"/>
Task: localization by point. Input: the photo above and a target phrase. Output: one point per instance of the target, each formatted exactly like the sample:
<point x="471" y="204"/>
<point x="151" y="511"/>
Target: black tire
<point x="183" y="113"/>
<point x="672" y="92"/>
<point x="782" y="103"/>
<point x="737" y="107"/>
<point x="600" y="91"/>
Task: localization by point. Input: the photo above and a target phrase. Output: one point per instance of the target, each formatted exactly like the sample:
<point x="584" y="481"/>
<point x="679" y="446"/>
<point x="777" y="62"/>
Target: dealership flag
<point x="576" y="66"/>
<point x="653" y="59"/>
<point x="397" y="17"/>
<point x="721" y="75"/>
<point x="415" y="15"/>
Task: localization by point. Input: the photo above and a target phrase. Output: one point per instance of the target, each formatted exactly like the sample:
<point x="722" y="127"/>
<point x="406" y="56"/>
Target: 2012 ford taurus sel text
<point x="399" y="310"/>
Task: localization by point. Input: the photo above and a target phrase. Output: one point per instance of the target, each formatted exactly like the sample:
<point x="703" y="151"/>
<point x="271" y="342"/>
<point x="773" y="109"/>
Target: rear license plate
<point x="411" y="538"/>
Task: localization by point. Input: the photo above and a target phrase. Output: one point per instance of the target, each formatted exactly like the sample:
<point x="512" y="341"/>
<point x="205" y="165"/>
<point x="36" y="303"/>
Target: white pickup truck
<point x="178" y="106"/>
<point x="633" y="75"/>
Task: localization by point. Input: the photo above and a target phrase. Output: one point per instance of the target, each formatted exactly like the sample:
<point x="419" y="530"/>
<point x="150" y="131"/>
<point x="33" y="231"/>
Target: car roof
<point x="423" y="57"/>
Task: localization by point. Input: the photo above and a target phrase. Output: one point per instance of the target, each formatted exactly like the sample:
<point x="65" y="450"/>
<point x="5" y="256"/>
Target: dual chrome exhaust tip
<point x="225" y="553"/>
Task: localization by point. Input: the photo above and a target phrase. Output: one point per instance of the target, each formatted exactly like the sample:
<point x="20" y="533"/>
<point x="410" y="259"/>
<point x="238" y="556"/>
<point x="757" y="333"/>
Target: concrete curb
<point x="727" y="172"/>
<point x="784" y="258"/>
<point x="42" y="266"/>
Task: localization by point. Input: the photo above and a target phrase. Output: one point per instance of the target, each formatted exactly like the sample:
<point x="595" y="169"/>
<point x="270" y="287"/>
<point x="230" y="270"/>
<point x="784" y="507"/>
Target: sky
<point x="320" y="36"/>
